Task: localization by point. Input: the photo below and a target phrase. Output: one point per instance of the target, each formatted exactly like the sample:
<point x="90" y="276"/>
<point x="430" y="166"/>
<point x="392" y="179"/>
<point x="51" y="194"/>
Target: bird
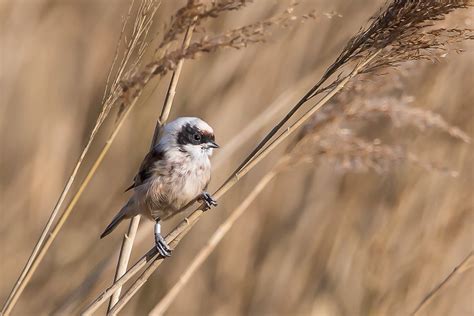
<point x="174" y="174"/>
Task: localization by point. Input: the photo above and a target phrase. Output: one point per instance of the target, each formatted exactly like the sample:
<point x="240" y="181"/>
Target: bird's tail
<point x="115" y="221"/>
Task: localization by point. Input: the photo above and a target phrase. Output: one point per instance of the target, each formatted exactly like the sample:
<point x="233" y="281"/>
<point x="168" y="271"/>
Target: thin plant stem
<point x="172" y="239"/>
<point x="165" y="112"/>
<point x="261" y="120"/>
<point x="54" y="232"/>
<point x="143" y="277"/>
<point x="129" y="237"/>
<point x="464" y="264"/>
<point x="19" y="284"/>
<point x="124" y="256"/>
<point x="311" y="93"/>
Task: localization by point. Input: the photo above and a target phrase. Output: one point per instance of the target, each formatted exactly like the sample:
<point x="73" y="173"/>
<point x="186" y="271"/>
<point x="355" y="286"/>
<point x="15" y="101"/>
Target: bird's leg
<point x="208" y="199"/>
<point x="160" y="242"/>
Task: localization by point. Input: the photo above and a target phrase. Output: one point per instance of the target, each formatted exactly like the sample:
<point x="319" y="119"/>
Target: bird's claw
<point x="209" y="200"/>
<point x="162" y="246"/>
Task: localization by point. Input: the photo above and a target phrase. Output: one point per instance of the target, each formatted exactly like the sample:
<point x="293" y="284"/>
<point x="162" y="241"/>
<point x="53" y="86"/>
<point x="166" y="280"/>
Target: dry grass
<point x="382" y="230"/>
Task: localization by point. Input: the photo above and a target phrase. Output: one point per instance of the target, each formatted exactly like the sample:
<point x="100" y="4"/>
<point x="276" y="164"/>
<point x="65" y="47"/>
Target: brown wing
<point x="146" y="168"/>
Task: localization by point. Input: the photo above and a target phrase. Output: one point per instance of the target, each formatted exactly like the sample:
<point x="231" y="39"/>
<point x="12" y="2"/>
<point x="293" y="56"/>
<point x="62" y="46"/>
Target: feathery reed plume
<point x="347" y="152"/>
<point x="377" y="96"/>
<point x="195" y="12"/>
<point x="393" y="25"/>
<point x="396" y="34"/>
<point x="401" y="31"/>
<point x="236" y="38"/>
<point x="332" y="133"/>
<point x="397" y="108"/>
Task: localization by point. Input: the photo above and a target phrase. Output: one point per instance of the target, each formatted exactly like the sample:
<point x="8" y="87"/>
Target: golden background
<point x="317" y="241"/>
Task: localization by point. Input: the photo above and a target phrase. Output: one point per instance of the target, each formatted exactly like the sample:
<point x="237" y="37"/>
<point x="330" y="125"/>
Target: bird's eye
<point x="197" y="137"/>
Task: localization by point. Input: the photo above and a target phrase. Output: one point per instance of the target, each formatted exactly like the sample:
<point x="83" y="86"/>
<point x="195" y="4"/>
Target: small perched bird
<point x="173" y="175"/>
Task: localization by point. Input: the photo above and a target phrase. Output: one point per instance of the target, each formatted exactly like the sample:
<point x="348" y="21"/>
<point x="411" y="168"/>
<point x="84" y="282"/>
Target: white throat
<point x="197" y="152"/>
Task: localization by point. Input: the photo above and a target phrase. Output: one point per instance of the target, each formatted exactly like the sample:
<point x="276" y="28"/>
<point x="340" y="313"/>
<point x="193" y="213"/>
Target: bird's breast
<point x="190" y="177"/>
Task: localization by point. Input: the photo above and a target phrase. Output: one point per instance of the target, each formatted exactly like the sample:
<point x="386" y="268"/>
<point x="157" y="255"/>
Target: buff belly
<point x="166" y="196"/>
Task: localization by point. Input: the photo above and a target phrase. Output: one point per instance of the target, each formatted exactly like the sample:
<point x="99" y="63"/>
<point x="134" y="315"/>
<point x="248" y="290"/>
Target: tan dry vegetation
<point x="322" y="239"/>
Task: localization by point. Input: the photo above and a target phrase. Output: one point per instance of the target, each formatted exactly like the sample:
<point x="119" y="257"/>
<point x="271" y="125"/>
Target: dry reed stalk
<point x="129" y="237"/>
<point x="142" y="279"/>
<point x="237" y="38"/>
<point x="141" y="28"/>
<point x="62" y="219"/>
<point x="261" y="120"/>
<point x="194" y="12"/>
<point x="124" y="256"/>
<point x="464" y="265"/>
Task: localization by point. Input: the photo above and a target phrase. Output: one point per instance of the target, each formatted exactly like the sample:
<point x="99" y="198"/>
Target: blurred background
<point x="318" y="241"/>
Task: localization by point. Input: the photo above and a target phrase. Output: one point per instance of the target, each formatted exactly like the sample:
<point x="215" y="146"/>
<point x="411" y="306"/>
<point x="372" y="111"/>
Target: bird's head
<point x="191" y="135"/>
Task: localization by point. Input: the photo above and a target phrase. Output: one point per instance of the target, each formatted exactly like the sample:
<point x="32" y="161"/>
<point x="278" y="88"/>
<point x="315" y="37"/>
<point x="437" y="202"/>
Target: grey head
<point x="189" y="135"/>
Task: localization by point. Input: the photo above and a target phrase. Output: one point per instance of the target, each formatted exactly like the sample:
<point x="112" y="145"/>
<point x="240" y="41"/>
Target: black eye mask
<point x="192" y="135"/>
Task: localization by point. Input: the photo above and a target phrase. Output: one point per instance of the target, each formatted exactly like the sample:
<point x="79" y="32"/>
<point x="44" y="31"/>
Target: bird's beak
<point x="212" y="144"/>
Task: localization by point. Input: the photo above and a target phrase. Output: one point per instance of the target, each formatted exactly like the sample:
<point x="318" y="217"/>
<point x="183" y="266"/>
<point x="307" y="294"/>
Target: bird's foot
<point x="160" y="243"/>
<point x="162" y="246"/>
<point x="209" y="200"/>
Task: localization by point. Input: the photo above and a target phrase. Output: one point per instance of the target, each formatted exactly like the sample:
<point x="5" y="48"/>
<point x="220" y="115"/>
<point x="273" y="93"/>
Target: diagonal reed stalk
<point x="45" y="234"/>
<point x="129" y="237"/>
<point x="19" y="284"/>
<point x="181" y="229"/>
<point x="54" y="232"/>
<point x="465" y="264"/>
<point x="124" y="256"/>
